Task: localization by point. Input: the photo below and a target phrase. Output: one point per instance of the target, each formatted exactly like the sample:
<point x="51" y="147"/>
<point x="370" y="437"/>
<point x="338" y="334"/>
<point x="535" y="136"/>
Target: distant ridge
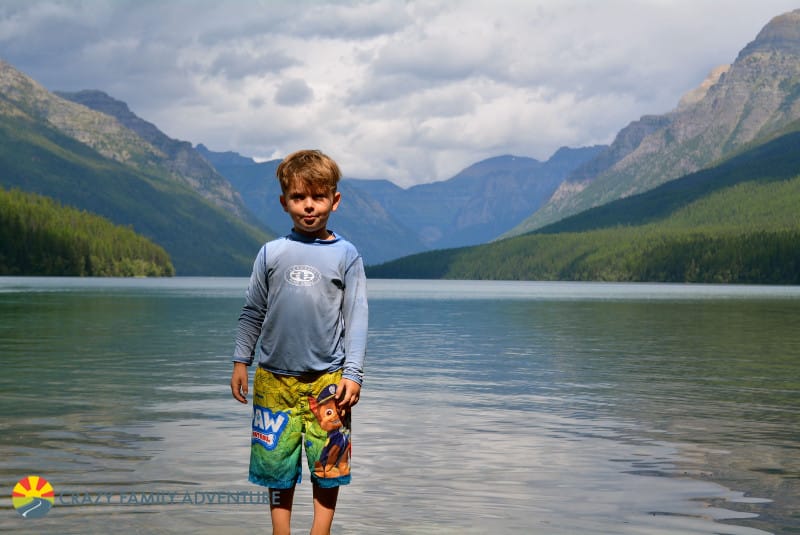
<point x="386" y="221"/>
<point x="733" y="223"/>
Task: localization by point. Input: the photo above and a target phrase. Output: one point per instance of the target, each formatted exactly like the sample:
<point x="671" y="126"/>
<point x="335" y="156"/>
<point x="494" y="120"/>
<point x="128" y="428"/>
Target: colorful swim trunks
<point x="292" y="412"/>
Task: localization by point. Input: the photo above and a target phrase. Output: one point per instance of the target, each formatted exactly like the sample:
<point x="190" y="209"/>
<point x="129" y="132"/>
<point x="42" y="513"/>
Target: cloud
<point x="411" y="91"/>
<point x="236" y="64"/>
<point x="293" y="92"/>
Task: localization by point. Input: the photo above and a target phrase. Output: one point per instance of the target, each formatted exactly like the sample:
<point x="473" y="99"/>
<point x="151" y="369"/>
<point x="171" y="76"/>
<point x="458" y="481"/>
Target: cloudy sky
<point x="411" y="91"/>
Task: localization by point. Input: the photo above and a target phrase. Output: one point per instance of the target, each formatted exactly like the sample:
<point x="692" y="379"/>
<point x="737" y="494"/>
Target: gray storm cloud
<point x="410" y="91"/>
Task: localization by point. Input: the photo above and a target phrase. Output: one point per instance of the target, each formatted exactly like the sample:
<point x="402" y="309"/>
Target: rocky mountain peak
<point x="696" y="95"/>
<point x="100" y="101"/>
<point x="782" y="33"/>
<point x="756" y="97"/>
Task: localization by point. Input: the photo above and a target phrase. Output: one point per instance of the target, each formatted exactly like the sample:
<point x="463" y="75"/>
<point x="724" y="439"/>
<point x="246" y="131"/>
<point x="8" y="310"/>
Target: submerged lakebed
<point x="488" y="407"/>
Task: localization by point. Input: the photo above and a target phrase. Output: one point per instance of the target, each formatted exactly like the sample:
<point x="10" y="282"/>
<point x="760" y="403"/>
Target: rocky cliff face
<point x="21" y="94"/>
<point x="110" y="128"/>
<point x="757" y="96"/>
<point x="179" y="158"/>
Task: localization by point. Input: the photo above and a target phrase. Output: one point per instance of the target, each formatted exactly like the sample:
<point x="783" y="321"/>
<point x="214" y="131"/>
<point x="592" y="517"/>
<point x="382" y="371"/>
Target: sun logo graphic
<point x="33" y="497"/>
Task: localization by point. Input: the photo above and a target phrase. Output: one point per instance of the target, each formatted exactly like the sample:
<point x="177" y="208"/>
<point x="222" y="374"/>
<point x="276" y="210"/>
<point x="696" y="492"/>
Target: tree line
<point x="39" y="236"/>
<point x="747" y="233"/>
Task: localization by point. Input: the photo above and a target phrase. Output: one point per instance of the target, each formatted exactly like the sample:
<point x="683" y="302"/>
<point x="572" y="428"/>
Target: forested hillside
<point x="735" y="223"/>
<point x="178" y="158"/>
<point x="37" y="156"/>
<point x="756" y="96"/>
<point x="40" y="237"/>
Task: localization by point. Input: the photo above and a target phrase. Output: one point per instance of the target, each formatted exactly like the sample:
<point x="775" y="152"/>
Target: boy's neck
<point x="324" y="235"/>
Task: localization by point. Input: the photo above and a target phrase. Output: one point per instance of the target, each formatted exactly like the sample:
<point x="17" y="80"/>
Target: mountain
<point x="88" y="160"/>
<point x="735" y="222"/>
<point x="359" y="218"/>
<point x="386" y="221"/>
<point x="482" y="201"/>
<point x="179" y="158"/>
<point x="765" y="164"/>
<point x="757" y="96"/>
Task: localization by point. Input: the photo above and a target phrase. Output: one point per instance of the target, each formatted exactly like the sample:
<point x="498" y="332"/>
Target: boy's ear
<point x="336" y="198"/>
<point x="283" y="203"/>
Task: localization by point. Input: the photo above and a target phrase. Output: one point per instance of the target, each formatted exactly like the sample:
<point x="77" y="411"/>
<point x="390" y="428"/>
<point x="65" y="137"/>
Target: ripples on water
<point x="488" y="407"/>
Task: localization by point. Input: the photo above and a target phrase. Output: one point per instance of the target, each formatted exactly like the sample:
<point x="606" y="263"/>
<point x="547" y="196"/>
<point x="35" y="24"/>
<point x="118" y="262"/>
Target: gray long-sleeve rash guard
<point x="307" y="303"/>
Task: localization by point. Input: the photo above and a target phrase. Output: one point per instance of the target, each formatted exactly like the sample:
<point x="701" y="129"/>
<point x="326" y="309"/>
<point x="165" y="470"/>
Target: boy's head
<point x="308" y="191"/>
<point x="314" y="170"/>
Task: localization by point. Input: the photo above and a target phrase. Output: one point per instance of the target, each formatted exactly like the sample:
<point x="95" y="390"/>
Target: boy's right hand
<point x="239" y="382"/>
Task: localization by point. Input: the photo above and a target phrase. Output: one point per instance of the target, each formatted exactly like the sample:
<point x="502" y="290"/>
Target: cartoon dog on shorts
<point x="334" y="460"/>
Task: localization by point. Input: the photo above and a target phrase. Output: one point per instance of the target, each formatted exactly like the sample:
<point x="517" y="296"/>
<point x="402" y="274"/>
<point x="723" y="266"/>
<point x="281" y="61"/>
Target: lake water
<point x="488" y="407"/>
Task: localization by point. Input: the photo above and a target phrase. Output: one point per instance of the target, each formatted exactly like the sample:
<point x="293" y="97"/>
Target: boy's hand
<point x="239" y="382"/>
<point x="347" y="393"/>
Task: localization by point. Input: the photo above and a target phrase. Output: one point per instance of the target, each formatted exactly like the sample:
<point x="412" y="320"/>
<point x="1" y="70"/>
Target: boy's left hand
<point x="347" y="393"/>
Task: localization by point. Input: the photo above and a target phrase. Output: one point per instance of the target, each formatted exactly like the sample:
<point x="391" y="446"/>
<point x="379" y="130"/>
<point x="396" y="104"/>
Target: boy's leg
<point x="324" y="507"/>
<point x="280" y="509"/>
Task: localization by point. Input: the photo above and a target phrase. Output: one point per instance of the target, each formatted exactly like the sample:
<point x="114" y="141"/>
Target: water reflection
<point x="500" y="408"/>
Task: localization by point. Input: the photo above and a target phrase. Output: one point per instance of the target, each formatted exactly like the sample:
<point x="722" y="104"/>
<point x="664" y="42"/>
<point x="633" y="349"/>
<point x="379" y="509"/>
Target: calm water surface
<point x="489" y="407"/>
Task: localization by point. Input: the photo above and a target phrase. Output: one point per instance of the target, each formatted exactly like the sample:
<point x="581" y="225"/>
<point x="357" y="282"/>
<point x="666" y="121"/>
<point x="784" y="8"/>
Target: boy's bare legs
<point x="280" y="509"/>
<point x="324" y="507"/>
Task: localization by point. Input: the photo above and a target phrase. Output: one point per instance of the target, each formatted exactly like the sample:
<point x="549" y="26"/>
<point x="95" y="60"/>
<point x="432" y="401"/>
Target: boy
<point x="305" y="320"/>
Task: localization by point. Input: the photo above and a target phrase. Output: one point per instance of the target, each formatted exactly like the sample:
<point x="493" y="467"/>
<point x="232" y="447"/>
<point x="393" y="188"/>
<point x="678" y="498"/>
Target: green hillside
<point x="40" y="237"/>
<point x="774" y="161"/>
<point x="734" y="223"/>
<point x="200" y="238"/>
<point x="756" y="96"/>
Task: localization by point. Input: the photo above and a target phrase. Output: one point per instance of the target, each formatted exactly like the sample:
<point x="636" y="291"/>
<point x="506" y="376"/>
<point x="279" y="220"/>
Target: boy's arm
<point x="348" y="393"/>
<point x="249" y="326"/>
<point x="356" y="319"/>
<point x="239" y="382"/>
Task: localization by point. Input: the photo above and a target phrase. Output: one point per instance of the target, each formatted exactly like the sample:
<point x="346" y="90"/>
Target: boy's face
<point x="310" y="208"/>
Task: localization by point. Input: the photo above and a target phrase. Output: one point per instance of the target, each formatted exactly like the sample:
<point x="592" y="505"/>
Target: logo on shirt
<point x="303" y="275"/>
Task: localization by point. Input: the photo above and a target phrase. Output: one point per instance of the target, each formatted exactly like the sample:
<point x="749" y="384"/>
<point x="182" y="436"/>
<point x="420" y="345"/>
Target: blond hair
<point x="313" y="168"/>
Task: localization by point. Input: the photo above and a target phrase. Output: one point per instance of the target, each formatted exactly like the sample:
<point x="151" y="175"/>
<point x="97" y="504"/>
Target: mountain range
<point x="755" y="97"/>
<point x="387" y="221"/>
<point x="91" y="161"/>
<point x="735" y="222"/>
<point x="211" y="210"/>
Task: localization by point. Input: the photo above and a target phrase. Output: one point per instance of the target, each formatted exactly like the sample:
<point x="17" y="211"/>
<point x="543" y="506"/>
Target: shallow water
<point x="489" y="407"/>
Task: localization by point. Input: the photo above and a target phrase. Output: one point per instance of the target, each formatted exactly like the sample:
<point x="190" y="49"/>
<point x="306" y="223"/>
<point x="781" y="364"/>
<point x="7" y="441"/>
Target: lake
<point x="488" y="407"/>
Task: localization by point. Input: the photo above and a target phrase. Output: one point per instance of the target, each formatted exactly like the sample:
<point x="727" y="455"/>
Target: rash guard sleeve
<point x="253" y="312"/>
<point x="356" y="317"/>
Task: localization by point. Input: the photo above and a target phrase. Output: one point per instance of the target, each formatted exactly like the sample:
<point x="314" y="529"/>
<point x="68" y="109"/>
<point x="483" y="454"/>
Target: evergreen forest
<point x="736" y="222"/>
<point x="38" y="236"/>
